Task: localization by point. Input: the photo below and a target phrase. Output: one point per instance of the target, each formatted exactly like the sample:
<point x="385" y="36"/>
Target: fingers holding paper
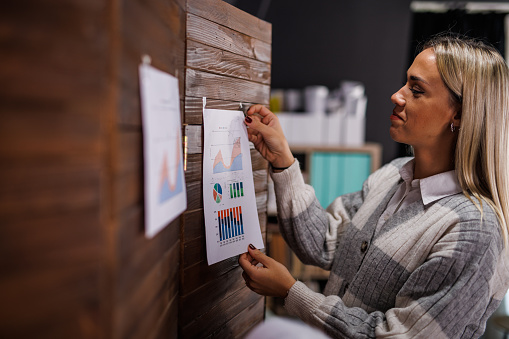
<point x="270" y="279"/>
<point x="266" y="134"/>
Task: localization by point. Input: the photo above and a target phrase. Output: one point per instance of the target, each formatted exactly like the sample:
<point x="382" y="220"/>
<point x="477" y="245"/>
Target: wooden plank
<point x="129" y="153"/>
<point x="128" y="190"/>
<point x="201" y="300"/>
<point x="194" y="138"/>
<point x="209" y="59"/>
<point x="244" y="322"/>
<point x="224" y="310"/>
<point x="136" y="254"/>
<point x="194" y="195"/>
<point x="193" y="277"/>
<point x="194" y="170"/>
<point x="39" y="138"/>
<point x="201" y="84"/>
<point x="212" y="34"/>
<point x="193" y="225"/>
<point x="28" y="192"/>
<point x="50" y="263"/>
<point x="194" y="251"/>
<point x="72" y="61"/>
<point x="157" y="287"/>
<point x="229" y="16"/>
<point x="167" y="326"/>
<point x="194" y="108"/>
<point x="164" y="22"/>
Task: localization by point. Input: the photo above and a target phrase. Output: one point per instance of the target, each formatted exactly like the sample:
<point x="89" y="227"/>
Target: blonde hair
<point x="478" y="79"/>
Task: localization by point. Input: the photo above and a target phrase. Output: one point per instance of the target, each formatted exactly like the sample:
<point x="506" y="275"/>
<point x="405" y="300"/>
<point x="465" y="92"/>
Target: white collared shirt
<point x="411" y="190"/>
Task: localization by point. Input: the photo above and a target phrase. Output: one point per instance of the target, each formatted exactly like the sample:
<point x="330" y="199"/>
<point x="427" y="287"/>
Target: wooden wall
<point x="228" y="54"/>
<point x="74" y="261"/>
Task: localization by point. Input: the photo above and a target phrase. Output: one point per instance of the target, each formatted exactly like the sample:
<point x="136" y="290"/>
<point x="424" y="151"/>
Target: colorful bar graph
<point x="236" y="190"/>
<point x="230" y="223"/>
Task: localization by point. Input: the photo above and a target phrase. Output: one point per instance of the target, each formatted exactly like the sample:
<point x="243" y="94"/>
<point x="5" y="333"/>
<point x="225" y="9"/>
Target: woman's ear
<point x="457" y="117"/>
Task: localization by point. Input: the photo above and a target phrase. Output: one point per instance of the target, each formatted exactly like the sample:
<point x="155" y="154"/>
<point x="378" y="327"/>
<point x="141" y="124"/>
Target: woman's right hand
<point x="267" y="136"/>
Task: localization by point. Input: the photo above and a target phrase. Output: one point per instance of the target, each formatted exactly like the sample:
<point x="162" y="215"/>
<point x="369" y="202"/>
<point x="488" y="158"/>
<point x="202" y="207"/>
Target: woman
<point x="421" y="250"/>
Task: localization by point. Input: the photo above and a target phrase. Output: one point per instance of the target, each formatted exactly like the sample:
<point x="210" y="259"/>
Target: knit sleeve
<point x="309" y="229"/>
<point x="450" y="295"/>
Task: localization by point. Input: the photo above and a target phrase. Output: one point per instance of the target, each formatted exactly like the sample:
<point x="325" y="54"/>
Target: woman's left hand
<point x="272" y="279"/>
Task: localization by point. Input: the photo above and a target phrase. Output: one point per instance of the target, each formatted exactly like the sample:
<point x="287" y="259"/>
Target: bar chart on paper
<point x="230" y="223"/>
<point x="230" y="210"/>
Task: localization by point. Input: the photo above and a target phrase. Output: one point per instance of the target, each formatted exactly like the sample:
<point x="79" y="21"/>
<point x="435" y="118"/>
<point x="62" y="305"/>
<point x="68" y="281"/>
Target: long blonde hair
<point x="478" y="79"/>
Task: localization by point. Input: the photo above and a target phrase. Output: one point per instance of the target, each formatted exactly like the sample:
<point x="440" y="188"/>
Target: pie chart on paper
<point x="218" y="193"/>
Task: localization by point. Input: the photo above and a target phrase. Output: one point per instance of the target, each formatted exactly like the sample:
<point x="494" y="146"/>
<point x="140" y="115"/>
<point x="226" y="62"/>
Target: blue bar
<point x="220" y="231"/>
<point x="241" y="190"/>
<point x="232" y="214"/>
<point x="241" y="222"/>
<point x="229" y="229"/>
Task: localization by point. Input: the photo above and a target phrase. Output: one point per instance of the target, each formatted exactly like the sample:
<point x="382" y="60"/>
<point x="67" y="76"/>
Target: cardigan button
<point x="364" y="246"/>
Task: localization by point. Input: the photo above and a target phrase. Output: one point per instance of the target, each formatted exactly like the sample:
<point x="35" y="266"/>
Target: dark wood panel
<point x="167" y="326"/>
<point x="201" y="300"/>
<point x="201" y="84"/>
<point x="194" y="195"/>
<point x="138" y="255"/>
<point x="42" y="61"/>
<point x="227" y="15"/>
<point x="193" y="225"/>
<point x="154" y="291"/>
<point x="244" y="322"/>
<point x="49" y="138"/>
<point x="212" y="34"/>
<point x="163" y="22"/>
<point x="195" y="276"/>
<point x="128" y="191"/>
<point x="194" y="251"/>
<point x="28" y="192"/>
<point x="50" y="263"/>
<point x="223" y="311"/>
<point x="130" y="150"/>
<point x="194" y="169"/>
<point x="209" y="59"/>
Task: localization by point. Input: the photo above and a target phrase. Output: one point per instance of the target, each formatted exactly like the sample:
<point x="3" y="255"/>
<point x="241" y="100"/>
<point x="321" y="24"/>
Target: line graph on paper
<point x="170" y="175"/>
<point x="226" y="151"/>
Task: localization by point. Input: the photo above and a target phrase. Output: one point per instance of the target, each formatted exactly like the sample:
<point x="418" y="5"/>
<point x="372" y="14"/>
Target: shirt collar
<point x="435" y="187"/>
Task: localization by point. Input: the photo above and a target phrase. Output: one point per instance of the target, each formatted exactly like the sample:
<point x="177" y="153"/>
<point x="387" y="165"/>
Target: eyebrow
<point x="416" y="78"/>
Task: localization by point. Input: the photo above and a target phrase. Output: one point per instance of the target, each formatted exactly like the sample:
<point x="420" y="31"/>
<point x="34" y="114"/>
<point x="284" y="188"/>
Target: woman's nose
<point x="398" y="98"/>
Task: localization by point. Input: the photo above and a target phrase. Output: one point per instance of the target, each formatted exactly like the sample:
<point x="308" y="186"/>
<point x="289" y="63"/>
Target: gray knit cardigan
<point x="434" y="271"/>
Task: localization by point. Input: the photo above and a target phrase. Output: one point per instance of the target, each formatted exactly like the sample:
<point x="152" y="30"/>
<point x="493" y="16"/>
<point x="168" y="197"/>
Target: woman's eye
<point x="416" y="92"/>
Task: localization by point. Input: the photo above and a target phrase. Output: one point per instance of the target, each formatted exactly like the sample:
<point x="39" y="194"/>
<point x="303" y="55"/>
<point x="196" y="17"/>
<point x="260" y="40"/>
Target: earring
<point x="452" y="127"/>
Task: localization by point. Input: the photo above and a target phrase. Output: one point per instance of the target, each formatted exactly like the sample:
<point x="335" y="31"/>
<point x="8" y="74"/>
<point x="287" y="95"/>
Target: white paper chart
<point x="231" y="216"/>
<point x="165" y="188"/>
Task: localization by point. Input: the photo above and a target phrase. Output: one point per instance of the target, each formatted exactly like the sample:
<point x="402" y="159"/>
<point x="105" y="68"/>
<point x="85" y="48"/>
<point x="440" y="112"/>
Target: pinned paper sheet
<point x="165" y="188"/>
<point x="231" y="216"/>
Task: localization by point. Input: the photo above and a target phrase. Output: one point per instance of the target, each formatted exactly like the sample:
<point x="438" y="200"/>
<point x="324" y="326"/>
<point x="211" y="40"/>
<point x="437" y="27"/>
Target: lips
<point x="395" y="116"/>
